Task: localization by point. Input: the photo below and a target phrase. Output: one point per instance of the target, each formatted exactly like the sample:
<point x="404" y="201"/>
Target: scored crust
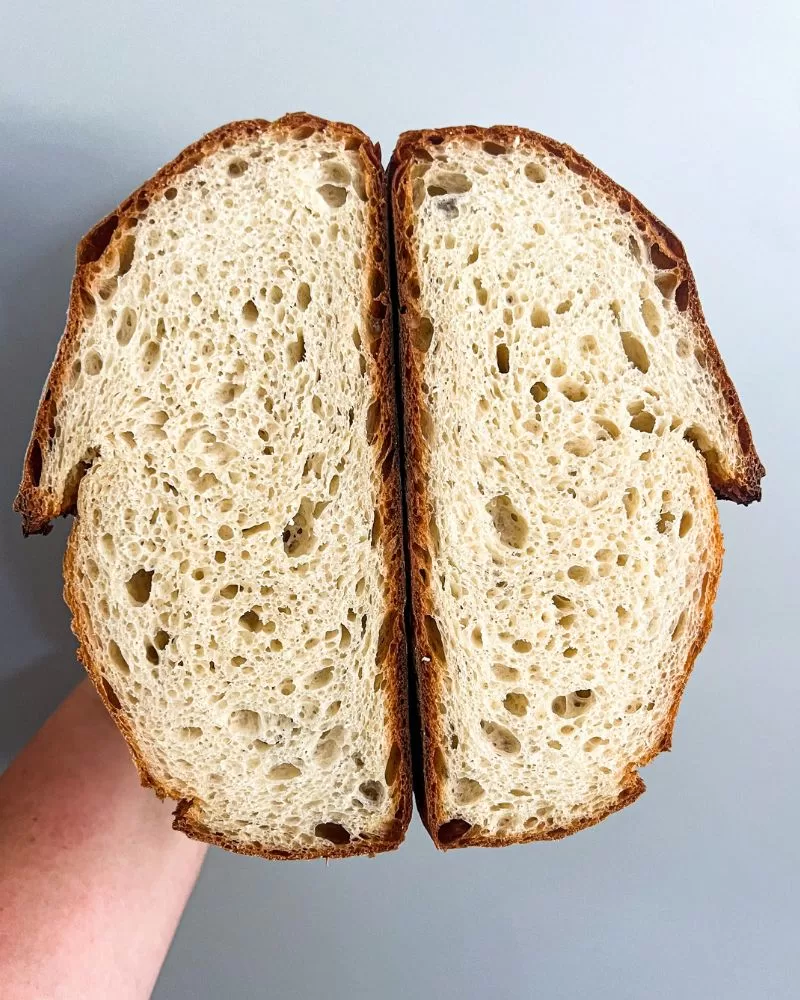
<point x="38" y="507"/>
<point x="742" y="486"/>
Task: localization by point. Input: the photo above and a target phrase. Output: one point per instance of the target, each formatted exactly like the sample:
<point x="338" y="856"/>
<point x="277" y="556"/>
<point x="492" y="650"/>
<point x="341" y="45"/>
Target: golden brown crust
<point x="743" y="486"/>
<point x="38" y="507"/>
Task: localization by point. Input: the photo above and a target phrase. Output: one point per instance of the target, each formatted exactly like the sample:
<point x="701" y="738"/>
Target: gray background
<point x="694" y="106"/>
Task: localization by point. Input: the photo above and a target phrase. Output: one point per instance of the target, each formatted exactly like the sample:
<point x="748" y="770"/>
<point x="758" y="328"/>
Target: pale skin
<point x="93" y="879"/>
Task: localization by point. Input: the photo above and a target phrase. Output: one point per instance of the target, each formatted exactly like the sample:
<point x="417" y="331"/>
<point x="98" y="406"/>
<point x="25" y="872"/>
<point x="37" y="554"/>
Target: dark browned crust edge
<point x="94" y="253"/>
<point x="744" y="487"/>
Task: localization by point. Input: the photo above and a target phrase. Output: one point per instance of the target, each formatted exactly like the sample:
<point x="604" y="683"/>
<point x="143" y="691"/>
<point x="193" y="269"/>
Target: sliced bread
<point x="567" y="417"/>
<point x="220" y="417"/>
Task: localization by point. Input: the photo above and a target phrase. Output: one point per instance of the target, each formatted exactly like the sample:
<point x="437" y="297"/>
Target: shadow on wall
<point x="56" y="179"/>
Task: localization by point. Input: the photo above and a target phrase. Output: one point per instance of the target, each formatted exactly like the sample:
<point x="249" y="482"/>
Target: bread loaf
<point x="567" y="416"/>
<point x="220" y="417"/>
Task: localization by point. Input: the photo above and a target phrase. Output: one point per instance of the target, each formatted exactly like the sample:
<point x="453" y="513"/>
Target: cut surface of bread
<point x="567" y="415"/>
<point x="221" y="417"/>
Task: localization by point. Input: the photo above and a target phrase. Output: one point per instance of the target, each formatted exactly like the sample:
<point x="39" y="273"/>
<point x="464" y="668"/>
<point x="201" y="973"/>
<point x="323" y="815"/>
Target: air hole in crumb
<point x="298" y="537"/>
<point x="574" y="704"/>
<point x="283" y="772"/>
<point x="333" y="195"/>
<point x="696" y="436"/>
<point x="93" y="364"/>
<point x="635" y="351"/>
<point x="336" y="173"/>
<point x="631" y="500"/>
<point x="150" y="355"/>
<point x="110" y="693"/>
<point x="423" y="334"/>
<point x="664" y="522"/>
<point x="501" y="738"/>
<point x="107" y="288"/>
<point x="296" y="350"/>
<point x="116" y="657"/>
<point x="505" y="673"/>
<point x="651" y="317"/>
<point x="686" y="524"/>
<point x="373" y="419"/>
<point x="468" y="790"/>
<point x="237" y="167"/>
<point x="521" y="646"/>
<point x="434" y="636"/>
<point x="516" y="703"/>
<point x="452" y="831"/>
<point x="444" y="183"/>
<point x="127" y="326"/>
<point x="508" y="522"/>
<point x="540" y="317"/>
<point x="377" y="528"/>
<point x="377" y="284"/>
<point x="680" y="627"/>
<point x="493" y="148"/>
<point x="667" y="283"/>
<point x="303" y="295"/>
<point x="320" y="678"/>
<point x="171" y="193"/>
<point x="249" y="312"/>
<point x="88" y="303"/>
<point x="480" y="292"/>
<point x="392" y="765"/>
<point x="580" y="447"/>
<point x="139" y="586"/>
<point x="244" y="722"/>
<point x="305" y="131"/>
<point x="539" y="391"/>
<point x="502" y="359"/>
<point x="535" y="172"/>
<point x="385" y="637"/>
<point x="660" y="259"/>
<point x="373" y="791"/>
<point x="250" y="621"/>
<point x="643" y="421"/>
<point x="575" y="391"/>
<point x="609" y="428"/>
<point x="564" y="306"/>
<point x="335" y="833"/>
<point x="125" y="252"/>
<point x="682" y="296"/>
<point x="580" y="574"/>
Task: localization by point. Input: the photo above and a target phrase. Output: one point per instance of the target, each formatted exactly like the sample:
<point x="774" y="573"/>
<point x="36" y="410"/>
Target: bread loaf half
<point x="220" y="417"/>
<point x="568" y="420"/>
